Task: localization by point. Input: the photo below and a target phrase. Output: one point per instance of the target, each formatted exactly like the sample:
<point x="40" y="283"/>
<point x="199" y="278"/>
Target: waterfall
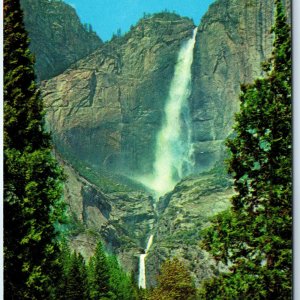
<point x="173" y="141"/>
<point x="142" y="270"/>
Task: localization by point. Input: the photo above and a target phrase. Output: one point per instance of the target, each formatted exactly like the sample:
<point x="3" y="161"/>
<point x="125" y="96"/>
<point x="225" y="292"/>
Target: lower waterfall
<point x="142" y="268"/>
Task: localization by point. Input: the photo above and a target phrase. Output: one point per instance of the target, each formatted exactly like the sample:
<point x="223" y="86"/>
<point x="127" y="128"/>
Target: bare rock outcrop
<point x="57" y="37"/>
<point x="233" y="39"/>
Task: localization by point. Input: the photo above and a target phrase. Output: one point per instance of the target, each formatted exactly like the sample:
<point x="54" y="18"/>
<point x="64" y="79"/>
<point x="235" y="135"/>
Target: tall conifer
<point x="32" y="178"/>
<point x="99" y="274"/>
<point x="254" y="238"/>
<point x="76" y="283"/>
<point x="121" y="287"/>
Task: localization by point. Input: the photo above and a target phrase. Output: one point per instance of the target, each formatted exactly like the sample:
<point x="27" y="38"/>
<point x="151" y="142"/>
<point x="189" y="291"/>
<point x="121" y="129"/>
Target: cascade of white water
<point x="173" y="142"/>
<point x="173" y="150"/>
<point x="142" y="269"/>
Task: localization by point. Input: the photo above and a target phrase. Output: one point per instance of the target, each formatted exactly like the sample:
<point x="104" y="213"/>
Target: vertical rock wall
<point x="234" y="38"/>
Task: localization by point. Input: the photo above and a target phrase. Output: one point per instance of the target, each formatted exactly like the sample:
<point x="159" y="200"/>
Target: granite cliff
<point x="105" y="110"/>
<point x="57" y="37"/>
<point x="182" y="214"/>
<point x="122" y="219"/>
<point x="234" y="38"/>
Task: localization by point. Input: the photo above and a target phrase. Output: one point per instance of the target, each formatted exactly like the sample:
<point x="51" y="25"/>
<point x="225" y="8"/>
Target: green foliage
<point x="73" y="283"/>
<point x="165" y="15"/>
<point x="76" y="279"/>
<point x="64" y="261"/>
<point x="98" y="275"/>
<point x="174" y="283"/>
<point x="121" y="285"/>
<point x="102" y="278"/>
<point x="106" y="181"/>
<point x="254" y="237"/>
<point x="32" y="185"/>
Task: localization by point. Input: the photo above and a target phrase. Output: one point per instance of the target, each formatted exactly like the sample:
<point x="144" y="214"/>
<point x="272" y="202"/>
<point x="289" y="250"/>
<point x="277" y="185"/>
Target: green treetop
<point x="76" y="279"/>
<point x="121" y="286"/>
<point x="98" y="269"/>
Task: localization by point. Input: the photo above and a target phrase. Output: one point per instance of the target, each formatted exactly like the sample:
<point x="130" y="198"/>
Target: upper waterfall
<point x="173" y="141"/>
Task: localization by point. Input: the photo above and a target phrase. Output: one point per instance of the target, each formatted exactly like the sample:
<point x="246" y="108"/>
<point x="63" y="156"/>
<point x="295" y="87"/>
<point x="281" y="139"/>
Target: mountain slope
<point x="182" y="213"/>
<point x="57" y="37"/>
<point x="104" y="112"/>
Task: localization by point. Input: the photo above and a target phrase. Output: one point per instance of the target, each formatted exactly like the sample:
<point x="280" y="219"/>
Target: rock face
<point x="121" y="219"/>
<point x="183" y="213"/>
<point x="107" y="108"/>
<point x="125" y="219"/>
<point x="57" y="38"/>
<point x="233" y="40"/>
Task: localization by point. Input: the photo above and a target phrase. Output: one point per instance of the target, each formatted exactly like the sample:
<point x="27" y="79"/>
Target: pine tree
<point x="64" y="261"/>
<point x="32" y="178"/>
<point x="76" y="280"/>
<point x="121" y="287"/>
<point x="254" y="237"/>
<point x="98" y="275"/>
<point x="174" y="283"/>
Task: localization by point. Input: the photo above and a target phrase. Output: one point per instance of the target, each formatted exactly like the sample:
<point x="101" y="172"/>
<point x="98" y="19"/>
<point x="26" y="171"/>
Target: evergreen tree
<point x="64" y="261"/>
<point x="98" y="275"/>
<point x="254" y="237"/>
<point x="174" y="283"/>
<point x="121" y="287"/>
<point x="119" y="32"/>
<point x="32" y="178"/>
<point x="76" y="279"/>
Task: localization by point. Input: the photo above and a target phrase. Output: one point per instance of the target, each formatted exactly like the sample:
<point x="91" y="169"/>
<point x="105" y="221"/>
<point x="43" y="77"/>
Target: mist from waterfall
<point x="173" y="141"/>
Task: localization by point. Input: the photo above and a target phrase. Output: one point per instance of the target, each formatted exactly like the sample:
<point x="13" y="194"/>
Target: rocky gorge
<point x="105" y="105"/>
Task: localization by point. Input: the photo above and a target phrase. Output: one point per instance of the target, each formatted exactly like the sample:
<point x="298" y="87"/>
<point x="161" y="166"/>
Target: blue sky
<point x="106" y="16"/>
